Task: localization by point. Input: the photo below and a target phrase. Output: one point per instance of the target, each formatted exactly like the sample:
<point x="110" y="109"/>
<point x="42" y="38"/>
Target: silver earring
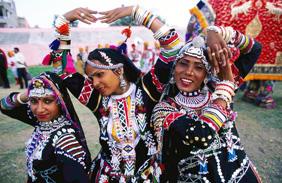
<point x="172" y="81"/>
<point x="122" y="84"/>
<point x="205" y="88"/>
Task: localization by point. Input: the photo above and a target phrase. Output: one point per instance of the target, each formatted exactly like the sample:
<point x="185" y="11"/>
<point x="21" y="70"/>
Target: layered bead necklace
<point x="192" y="100"/>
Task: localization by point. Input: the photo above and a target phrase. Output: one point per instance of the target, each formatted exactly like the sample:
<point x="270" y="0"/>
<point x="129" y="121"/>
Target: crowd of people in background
<point x="143" y="58"/>
<point x="16" y="61"/>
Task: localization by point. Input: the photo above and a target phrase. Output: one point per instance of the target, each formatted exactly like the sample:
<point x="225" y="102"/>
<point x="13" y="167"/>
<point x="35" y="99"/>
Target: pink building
<point x="33" y="42"/>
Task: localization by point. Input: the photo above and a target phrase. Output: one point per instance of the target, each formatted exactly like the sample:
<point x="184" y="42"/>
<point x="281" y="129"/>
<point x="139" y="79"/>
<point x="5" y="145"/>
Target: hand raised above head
<point x="225" y="72"/>
<point x="85" y="15"/>
<point x="218" y="52"/>
<point x="115" y="14"/>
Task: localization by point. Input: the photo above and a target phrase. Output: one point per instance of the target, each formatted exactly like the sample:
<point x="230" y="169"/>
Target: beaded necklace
<point x="192" y="100"/>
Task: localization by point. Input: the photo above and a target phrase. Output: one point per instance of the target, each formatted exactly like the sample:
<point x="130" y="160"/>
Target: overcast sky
<point x="41" y="12"/>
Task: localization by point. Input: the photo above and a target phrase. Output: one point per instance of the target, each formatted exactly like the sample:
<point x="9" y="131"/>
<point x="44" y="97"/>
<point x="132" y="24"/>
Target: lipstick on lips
<point x="186" y="82"/>
<point x="101" y="90"/>
<point x="41" y="116"/>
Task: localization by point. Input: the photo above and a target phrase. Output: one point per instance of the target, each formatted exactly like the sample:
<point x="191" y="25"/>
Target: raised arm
<point x="155" y="80"/>
<point x="15" y="106"/>
<point x="152" y="23"/>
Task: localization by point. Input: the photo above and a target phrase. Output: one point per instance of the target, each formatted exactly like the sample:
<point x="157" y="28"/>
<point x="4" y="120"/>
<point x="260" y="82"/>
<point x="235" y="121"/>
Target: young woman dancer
<point x="57" y="150"/>
<point x="195" y="125"/>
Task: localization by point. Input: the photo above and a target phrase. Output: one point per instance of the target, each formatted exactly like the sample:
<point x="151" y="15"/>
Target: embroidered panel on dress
<point x="86" y="92"/>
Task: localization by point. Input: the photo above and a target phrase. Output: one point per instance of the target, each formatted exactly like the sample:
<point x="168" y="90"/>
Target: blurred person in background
<point x="79" y="65"/>
<point x="156" y="52"/>
<point x="3" y="69"/>
<point x="21" y="68"/>
<point x="12" y="61"/>
<point x="135" y="56"/>
<point x="147" y="58"/>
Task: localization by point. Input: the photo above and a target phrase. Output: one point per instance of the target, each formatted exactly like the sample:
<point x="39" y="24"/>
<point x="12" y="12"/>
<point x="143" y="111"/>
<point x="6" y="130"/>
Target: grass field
<point x="259" y="128"/>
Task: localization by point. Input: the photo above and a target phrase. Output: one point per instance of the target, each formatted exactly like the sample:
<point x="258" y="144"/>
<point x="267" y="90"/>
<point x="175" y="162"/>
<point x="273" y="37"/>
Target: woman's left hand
<point x="217" y="49"/>
<point x="225" y="72"/>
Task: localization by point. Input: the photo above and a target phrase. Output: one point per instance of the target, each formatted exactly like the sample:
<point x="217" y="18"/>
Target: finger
<point x="216" y="58"/>
<point x="222" y="60"/>
<point x="90" y="18"/>
<point x="224" y="45"/>
<point x="226" y="53"/>
<point x="108" y="18"/>
<point x="85" y="15"/>
<point x="209" y="52"/>
<point x="82" y="19"/>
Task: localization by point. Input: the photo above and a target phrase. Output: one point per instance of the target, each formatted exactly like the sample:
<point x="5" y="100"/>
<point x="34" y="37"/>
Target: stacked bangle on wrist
<point x="18" y="99"/>
<point x="161" y="32"/>
<point x="227" y="33"/>
<point x="142" y="16"/>
<point x="146" y="18"/>
<point x="11" y="101"/>
<point x="244" y="43"/>
<point x="62" y="33"/>
<point x="61" y="20"/>
<point x="225" y="91"/>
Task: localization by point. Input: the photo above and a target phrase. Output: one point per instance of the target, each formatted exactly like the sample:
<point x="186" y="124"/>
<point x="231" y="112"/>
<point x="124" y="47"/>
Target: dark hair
<point x="132" y="73"/>
<point x="16" y="48"/>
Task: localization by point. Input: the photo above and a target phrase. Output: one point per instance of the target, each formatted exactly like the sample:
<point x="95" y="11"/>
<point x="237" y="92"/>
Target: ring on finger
<point x="213" y="54"/>
<point x="82" y="14"/>
<point x="220" y="51"/>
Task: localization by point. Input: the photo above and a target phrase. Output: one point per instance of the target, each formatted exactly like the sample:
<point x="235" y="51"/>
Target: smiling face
<point x="189" y="73"/>
<point x="104" y="80"/>
<point x="45" y="108"/>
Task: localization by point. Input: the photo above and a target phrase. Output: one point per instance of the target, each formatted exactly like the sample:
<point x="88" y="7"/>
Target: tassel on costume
<point x="55" y="45"/>
<point x="230" y="147"/>
<point x="46" y="60"/>
<point x="123" y="47"/>
<point x="127" y="32"/>
<point x="69" y="66"/>
<point x="64" y="29"/>
<point x="203" y="164"/>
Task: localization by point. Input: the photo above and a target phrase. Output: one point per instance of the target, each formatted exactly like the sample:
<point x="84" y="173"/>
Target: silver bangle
<point x="161" y="32"/>
<point x="214" y="29"/>
<point x="61" y="20"/>
<point x="139" y="16"/>
<point x="64" y="47"/>
<point x="133" y="11"/>
<point x="19" y="99"/>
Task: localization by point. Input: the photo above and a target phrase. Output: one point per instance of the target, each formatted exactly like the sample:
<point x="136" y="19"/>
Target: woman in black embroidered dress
<point x="195" y="125"/>
<point x="121" y="100"/>
<point x="57" y="150"/>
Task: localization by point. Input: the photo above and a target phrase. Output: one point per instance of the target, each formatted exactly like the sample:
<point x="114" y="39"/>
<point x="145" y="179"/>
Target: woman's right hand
<point x="115" y="14"/>
<point x="83" y="14"/>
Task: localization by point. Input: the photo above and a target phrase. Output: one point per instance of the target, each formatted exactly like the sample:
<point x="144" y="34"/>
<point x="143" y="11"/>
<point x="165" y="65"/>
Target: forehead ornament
<point x="39" y="89"/>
